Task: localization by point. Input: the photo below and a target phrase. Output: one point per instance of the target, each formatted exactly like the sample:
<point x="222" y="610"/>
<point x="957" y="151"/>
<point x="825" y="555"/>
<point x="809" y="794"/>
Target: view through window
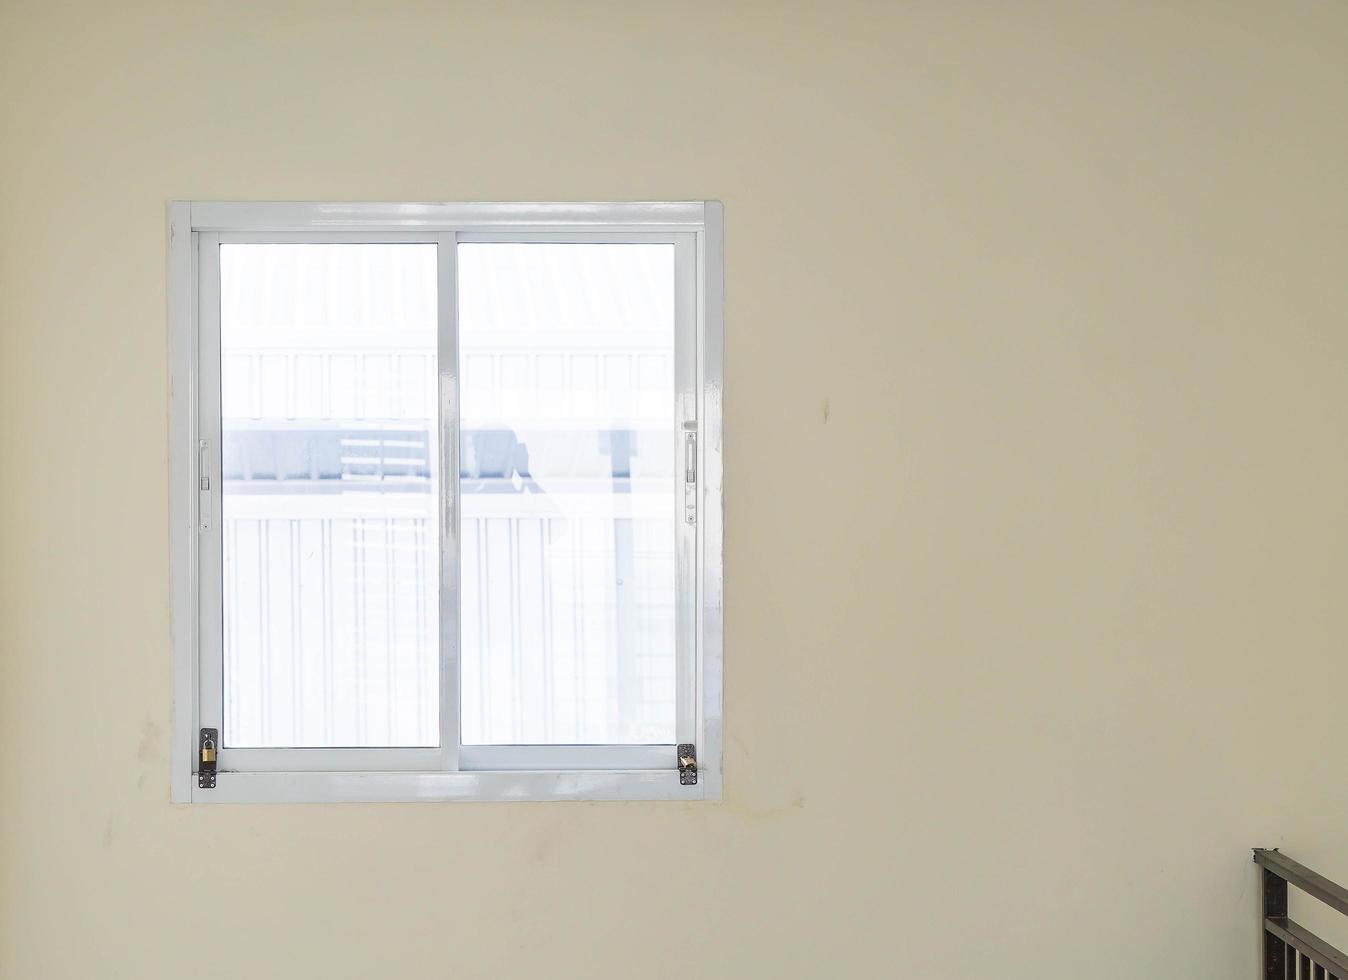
<point x="330" y="482"/>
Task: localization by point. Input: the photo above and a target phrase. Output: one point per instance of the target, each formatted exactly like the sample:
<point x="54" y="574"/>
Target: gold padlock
<point x="208" y="751"/>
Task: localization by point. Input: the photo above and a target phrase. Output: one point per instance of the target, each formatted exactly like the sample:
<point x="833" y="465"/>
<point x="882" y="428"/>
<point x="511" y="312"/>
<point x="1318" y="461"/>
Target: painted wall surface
<point x="1036" y="536"/>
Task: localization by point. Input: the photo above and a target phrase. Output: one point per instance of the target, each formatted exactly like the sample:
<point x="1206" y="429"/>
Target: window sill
<point x="412" y="787"/>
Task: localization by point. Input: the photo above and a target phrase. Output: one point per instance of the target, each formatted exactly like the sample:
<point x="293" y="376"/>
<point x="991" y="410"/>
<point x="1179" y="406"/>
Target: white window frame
<point x="451" y="771"/>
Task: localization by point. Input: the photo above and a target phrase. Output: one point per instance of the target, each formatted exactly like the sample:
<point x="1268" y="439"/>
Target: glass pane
<point x="568" y="496"/>
<point x="329" y="460"/>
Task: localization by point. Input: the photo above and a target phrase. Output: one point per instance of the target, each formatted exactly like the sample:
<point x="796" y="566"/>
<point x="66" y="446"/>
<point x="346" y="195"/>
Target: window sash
<point x="211" y="594"/>
<point x="558" y="756"/>
<point x="451" y="757"/>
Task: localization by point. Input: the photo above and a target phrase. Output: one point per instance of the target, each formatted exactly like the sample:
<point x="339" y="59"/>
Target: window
<point x="446" y="501"/>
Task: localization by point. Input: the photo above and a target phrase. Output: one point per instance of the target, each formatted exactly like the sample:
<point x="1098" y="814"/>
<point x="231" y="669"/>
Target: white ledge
<point x="409" y="787"/>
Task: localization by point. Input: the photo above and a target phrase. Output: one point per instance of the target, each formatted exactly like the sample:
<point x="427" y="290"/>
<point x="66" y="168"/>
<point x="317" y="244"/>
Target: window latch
<point x="208" y="742"/>
<point x="687" y="764"/>
<point x="690" y="472"/>
<point x="203" y="485"/>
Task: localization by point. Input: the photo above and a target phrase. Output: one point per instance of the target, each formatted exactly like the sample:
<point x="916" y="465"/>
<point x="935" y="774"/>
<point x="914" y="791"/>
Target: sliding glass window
<point x="446" y="499"/>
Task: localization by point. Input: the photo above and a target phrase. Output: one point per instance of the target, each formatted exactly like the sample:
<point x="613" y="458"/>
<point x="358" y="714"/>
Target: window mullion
<point x="448" y="413"/>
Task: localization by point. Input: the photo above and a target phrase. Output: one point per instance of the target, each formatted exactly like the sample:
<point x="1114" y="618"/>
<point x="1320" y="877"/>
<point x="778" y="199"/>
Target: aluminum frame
<point x="452" y="771"/>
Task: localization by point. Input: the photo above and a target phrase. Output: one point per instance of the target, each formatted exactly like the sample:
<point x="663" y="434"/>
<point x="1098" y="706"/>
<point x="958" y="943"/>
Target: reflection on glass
<point x="329" y="474"/>
<point x="568" y="506"/>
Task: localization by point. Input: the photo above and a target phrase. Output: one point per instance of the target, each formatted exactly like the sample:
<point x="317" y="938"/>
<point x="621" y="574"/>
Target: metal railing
<point x="1292" y="952"/>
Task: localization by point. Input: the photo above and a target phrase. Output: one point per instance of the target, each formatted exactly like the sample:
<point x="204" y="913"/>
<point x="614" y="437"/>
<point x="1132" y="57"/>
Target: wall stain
<point x="148" y="750"/>
<point x="763" y="814"/>
<point x="827" y="411"/>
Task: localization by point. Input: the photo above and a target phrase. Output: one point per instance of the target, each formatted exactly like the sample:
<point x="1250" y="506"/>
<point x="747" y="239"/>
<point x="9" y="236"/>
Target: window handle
<point x="690" y="472"/>
<point x="203" y="485"/>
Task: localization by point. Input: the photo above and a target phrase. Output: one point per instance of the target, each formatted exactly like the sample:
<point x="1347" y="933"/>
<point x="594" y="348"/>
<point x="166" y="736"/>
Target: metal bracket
<point x="208" y="747"/>
<point x="687" y="764"/>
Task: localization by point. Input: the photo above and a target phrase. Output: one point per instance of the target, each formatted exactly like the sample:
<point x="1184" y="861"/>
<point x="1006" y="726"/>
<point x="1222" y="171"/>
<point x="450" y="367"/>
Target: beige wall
<point x="1037" y="543"/>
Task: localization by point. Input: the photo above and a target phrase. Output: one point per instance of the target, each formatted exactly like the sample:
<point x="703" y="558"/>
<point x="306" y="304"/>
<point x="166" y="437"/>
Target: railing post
<point x="1275" y="905"/>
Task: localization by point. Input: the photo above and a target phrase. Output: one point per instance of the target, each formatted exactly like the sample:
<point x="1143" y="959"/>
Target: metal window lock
<point x="690" y="472"/>
<point x="208" y="746"/>
<point x="687" y="764"/>
<point x="203" y="485"/>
